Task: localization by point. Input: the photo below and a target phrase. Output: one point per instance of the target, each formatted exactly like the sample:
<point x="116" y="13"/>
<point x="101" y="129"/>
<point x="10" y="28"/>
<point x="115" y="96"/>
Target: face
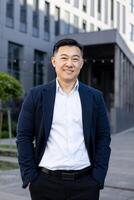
<point x="67" y="62"/>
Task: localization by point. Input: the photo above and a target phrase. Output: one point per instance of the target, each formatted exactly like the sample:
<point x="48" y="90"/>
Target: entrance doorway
<point x="102" y="78"/>
<point x="98" y="70"/>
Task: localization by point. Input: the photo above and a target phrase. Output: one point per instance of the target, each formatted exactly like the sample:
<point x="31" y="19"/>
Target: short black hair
<point x="67" y="42"/>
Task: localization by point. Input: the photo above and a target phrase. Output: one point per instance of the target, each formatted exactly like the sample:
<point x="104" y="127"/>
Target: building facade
<point x="109" y="66"/>
<point x="27" y="28"/>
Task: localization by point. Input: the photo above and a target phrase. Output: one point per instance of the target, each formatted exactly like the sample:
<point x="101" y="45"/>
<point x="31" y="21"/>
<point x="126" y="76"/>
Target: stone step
<point x="8" y="152"/>
<point x="8" y="159"/>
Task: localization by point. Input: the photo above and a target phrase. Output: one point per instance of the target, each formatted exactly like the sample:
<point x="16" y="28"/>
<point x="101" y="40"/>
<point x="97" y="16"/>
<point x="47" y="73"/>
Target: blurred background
<point x="28" y="31"/>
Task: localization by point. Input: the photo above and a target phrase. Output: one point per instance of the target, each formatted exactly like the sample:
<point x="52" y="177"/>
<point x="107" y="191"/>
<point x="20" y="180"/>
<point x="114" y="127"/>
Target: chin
<point x="69" y="79"/>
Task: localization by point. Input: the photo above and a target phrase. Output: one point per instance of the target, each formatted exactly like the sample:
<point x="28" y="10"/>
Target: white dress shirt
<point x="65" y="148"/>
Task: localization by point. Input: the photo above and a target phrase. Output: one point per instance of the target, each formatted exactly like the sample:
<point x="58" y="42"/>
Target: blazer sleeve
<point x="25" y="141"/>
<point x="102" y="141"/>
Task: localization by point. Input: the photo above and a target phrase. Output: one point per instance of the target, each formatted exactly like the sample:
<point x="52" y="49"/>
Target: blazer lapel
<point x="48" y="106"/>
<point x="87" y="107"/>
<point x="86" y="103"/>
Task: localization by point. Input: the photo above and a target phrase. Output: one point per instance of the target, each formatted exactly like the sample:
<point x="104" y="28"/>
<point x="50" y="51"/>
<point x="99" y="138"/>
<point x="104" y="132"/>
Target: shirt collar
<point x="75" y="88"/>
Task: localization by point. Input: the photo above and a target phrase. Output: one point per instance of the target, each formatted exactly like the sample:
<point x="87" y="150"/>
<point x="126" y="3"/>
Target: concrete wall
<point x="26" y="40"/>
<point x="121" y="119"/>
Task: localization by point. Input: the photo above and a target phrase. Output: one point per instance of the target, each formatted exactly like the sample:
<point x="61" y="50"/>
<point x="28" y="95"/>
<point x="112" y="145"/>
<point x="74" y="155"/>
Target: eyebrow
<point x="68" y="56"/>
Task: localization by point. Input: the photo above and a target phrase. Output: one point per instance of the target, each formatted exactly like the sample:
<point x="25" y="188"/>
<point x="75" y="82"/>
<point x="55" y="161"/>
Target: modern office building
<point x="109" y="66"/>
<point x="28" y="29"/>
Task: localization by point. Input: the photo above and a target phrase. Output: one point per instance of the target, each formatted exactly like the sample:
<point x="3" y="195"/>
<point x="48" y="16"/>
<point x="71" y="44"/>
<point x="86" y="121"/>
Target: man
<point x="63" y="133"/>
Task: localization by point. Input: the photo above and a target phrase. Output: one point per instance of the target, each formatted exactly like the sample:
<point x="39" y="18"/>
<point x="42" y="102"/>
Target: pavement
<point x="119" y="183"/>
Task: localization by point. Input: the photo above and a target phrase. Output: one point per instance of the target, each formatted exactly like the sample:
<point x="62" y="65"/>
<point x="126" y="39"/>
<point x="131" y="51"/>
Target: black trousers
<point x="47" y="187"/>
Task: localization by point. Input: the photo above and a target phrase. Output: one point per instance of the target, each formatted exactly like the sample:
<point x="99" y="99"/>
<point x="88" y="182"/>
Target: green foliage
<point x="4" y="134"/>
<point x="7" y="146"/>
<point x="9" y="87"/>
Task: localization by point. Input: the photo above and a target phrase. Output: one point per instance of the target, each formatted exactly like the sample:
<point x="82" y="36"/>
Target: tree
<point x="10" y="89"/>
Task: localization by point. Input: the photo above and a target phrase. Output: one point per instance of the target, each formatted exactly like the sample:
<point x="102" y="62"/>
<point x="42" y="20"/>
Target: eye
<point x="75" y="59"/>
<point x="64" y="58"/>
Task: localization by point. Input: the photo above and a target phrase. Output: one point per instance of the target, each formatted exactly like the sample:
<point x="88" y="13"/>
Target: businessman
<point x="63" y="133"/>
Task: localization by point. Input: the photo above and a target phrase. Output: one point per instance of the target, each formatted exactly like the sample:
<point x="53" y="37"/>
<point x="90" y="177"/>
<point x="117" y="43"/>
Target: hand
<point x="29" y="184"/>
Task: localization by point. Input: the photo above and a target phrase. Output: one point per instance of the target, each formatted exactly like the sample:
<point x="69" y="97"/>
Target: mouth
<point x="68" y="71"/>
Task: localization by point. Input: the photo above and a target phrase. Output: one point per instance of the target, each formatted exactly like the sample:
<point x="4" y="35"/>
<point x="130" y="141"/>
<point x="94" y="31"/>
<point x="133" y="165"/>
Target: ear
<point x="82" y="63"/>
<point x="53" y="61"/>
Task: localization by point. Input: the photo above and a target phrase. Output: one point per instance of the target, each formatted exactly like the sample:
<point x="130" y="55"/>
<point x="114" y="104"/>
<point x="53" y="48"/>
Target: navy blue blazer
<point x="34" y="126"/>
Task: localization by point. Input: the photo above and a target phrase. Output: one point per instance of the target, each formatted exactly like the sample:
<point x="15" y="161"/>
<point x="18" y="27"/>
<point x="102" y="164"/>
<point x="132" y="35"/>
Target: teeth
<point x="69" y="71"/>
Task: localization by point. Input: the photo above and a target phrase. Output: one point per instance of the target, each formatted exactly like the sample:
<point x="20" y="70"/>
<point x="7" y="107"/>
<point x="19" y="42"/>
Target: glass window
<point x="106" y="11"/>
<point x="99" y="9"/>
<point x="124" y="20"/>
<point x="84" y="25"/>
<point x="35" y="4"/>
<point x="92" y="27"/>
<point x="67" y="22"/>
<point x="92" y="8"/>
<point x="14" y="55"/>
<point x="23" y="2"/>
<point x="38" y="67"/>
<point x="57" y="21"/>
<point x="76" y="3"/>
<point x="35" y="18"/>
<point x="76" y="24"/>
<point x="35" y="24"/>
<point x="46" y="21"/>
<point x="118" y="15"/>
<point x="23" y="15"/>
<point x="10" y="13"/>
<point x="112" y="10"/>
<point x="132" y="32"/>
<point x="99" y="6"/>
<point x="84" y="5"/>
<point x="67" y="1"/>
<point x="132" y="5"/>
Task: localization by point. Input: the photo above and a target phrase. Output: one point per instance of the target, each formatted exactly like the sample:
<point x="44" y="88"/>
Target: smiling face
<point x="67" y="62"/>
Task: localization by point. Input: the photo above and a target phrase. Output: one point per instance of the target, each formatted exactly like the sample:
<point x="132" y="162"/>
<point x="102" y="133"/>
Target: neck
<point x="67" y="86"/>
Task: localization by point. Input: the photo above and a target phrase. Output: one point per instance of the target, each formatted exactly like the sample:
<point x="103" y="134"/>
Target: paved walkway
<point x="120" y="177"/>
<point x="119" y="182"/>
<point x="8" y="141"/>
<point x="8" y="159"/>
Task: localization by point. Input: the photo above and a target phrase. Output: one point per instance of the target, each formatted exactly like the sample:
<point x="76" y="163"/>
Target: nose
<point x="69" y="63"/>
